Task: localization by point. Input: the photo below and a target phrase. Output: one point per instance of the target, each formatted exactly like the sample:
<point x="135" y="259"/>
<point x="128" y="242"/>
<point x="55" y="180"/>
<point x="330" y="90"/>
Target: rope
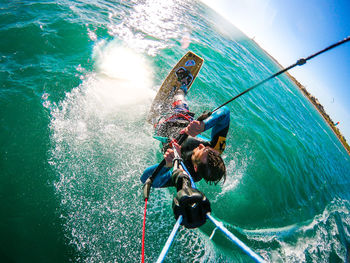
<point x="300" y="62"/>
<point x="143" y="233"/>
<point x="212" y="233"/>
<point x="170" y="240"/>
<point x="189" y="175"/>
<point x="235" y="240"/>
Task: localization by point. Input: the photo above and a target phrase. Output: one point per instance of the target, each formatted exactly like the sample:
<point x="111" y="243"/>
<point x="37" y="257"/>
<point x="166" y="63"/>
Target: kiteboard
<point x="184" y="73"/>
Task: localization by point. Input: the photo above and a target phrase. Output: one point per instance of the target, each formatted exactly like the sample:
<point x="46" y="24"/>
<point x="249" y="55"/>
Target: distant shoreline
<point x="323" y="113"/>
<point x="314" y="101"/>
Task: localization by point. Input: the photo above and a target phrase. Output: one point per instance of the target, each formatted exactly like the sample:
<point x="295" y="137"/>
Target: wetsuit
<point x="219" y="122"/>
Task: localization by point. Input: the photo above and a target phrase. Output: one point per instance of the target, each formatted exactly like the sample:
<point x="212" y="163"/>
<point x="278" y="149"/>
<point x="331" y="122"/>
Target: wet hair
<point x="214" y="170"/>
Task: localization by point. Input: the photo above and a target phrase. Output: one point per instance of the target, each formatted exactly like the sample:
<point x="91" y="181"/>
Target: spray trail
<point x="99" y="143"/>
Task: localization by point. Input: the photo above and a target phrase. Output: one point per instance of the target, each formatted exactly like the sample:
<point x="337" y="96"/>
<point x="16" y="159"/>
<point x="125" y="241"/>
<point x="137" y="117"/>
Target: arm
<point x="219" y="121"/>
<point x="162" y="177"/>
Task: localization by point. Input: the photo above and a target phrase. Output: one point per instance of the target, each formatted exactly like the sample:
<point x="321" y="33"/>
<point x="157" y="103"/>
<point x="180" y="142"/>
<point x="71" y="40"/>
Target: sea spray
<point x="98" y="153"/>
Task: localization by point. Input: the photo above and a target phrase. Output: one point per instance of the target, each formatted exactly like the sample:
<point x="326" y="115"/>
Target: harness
<point x="174" y="118"/>
<point x="169" y="126"/>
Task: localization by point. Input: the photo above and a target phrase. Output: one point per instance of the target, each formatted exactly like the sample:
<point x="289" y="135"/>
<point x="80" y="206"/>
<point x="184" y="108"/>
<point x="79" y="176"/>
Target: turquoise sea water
<point x="77" y="80"/>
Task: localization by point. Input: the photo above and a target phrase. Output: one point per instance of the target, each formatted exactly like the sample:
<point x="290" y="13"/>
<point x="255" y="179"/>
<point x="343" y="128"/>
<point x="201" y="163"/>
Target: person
<point x="202" y="157"/>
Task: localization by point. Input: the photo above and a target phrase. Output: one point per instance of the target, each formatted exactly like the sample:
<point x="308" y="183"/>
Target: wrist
<point x="202" y="126"/>
<point x="168" y="164"/>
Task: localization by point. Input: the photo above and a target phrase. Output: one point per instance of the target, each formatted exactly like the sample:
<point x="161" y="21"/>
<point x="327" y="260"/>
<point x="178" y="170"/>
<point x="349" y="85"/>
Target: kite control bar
<point x="181" y="138"/>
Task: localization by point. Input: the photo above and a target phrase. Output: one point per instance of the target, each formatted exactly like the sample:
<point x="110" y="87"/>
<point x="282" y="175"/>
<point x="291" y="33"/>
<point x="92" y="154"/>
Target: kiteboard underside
<point x="184" y="73"/>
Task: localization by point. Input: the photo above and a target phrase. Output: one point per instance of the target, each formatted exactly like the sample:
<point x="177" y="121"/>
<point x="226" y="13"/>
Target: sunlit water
<point x="78" y="79"/>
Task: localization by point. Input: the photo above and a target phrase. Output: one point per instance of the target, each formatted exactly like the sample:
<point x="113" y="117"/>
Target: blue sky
<point x="289" y="30"/>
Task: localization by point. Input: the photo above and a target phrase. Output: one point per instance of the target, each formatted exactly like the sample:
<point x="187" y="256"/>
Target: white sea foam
<point x="311" y="241"/>
<point x="152" y="26"/>
<point x="100" y="138"/>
